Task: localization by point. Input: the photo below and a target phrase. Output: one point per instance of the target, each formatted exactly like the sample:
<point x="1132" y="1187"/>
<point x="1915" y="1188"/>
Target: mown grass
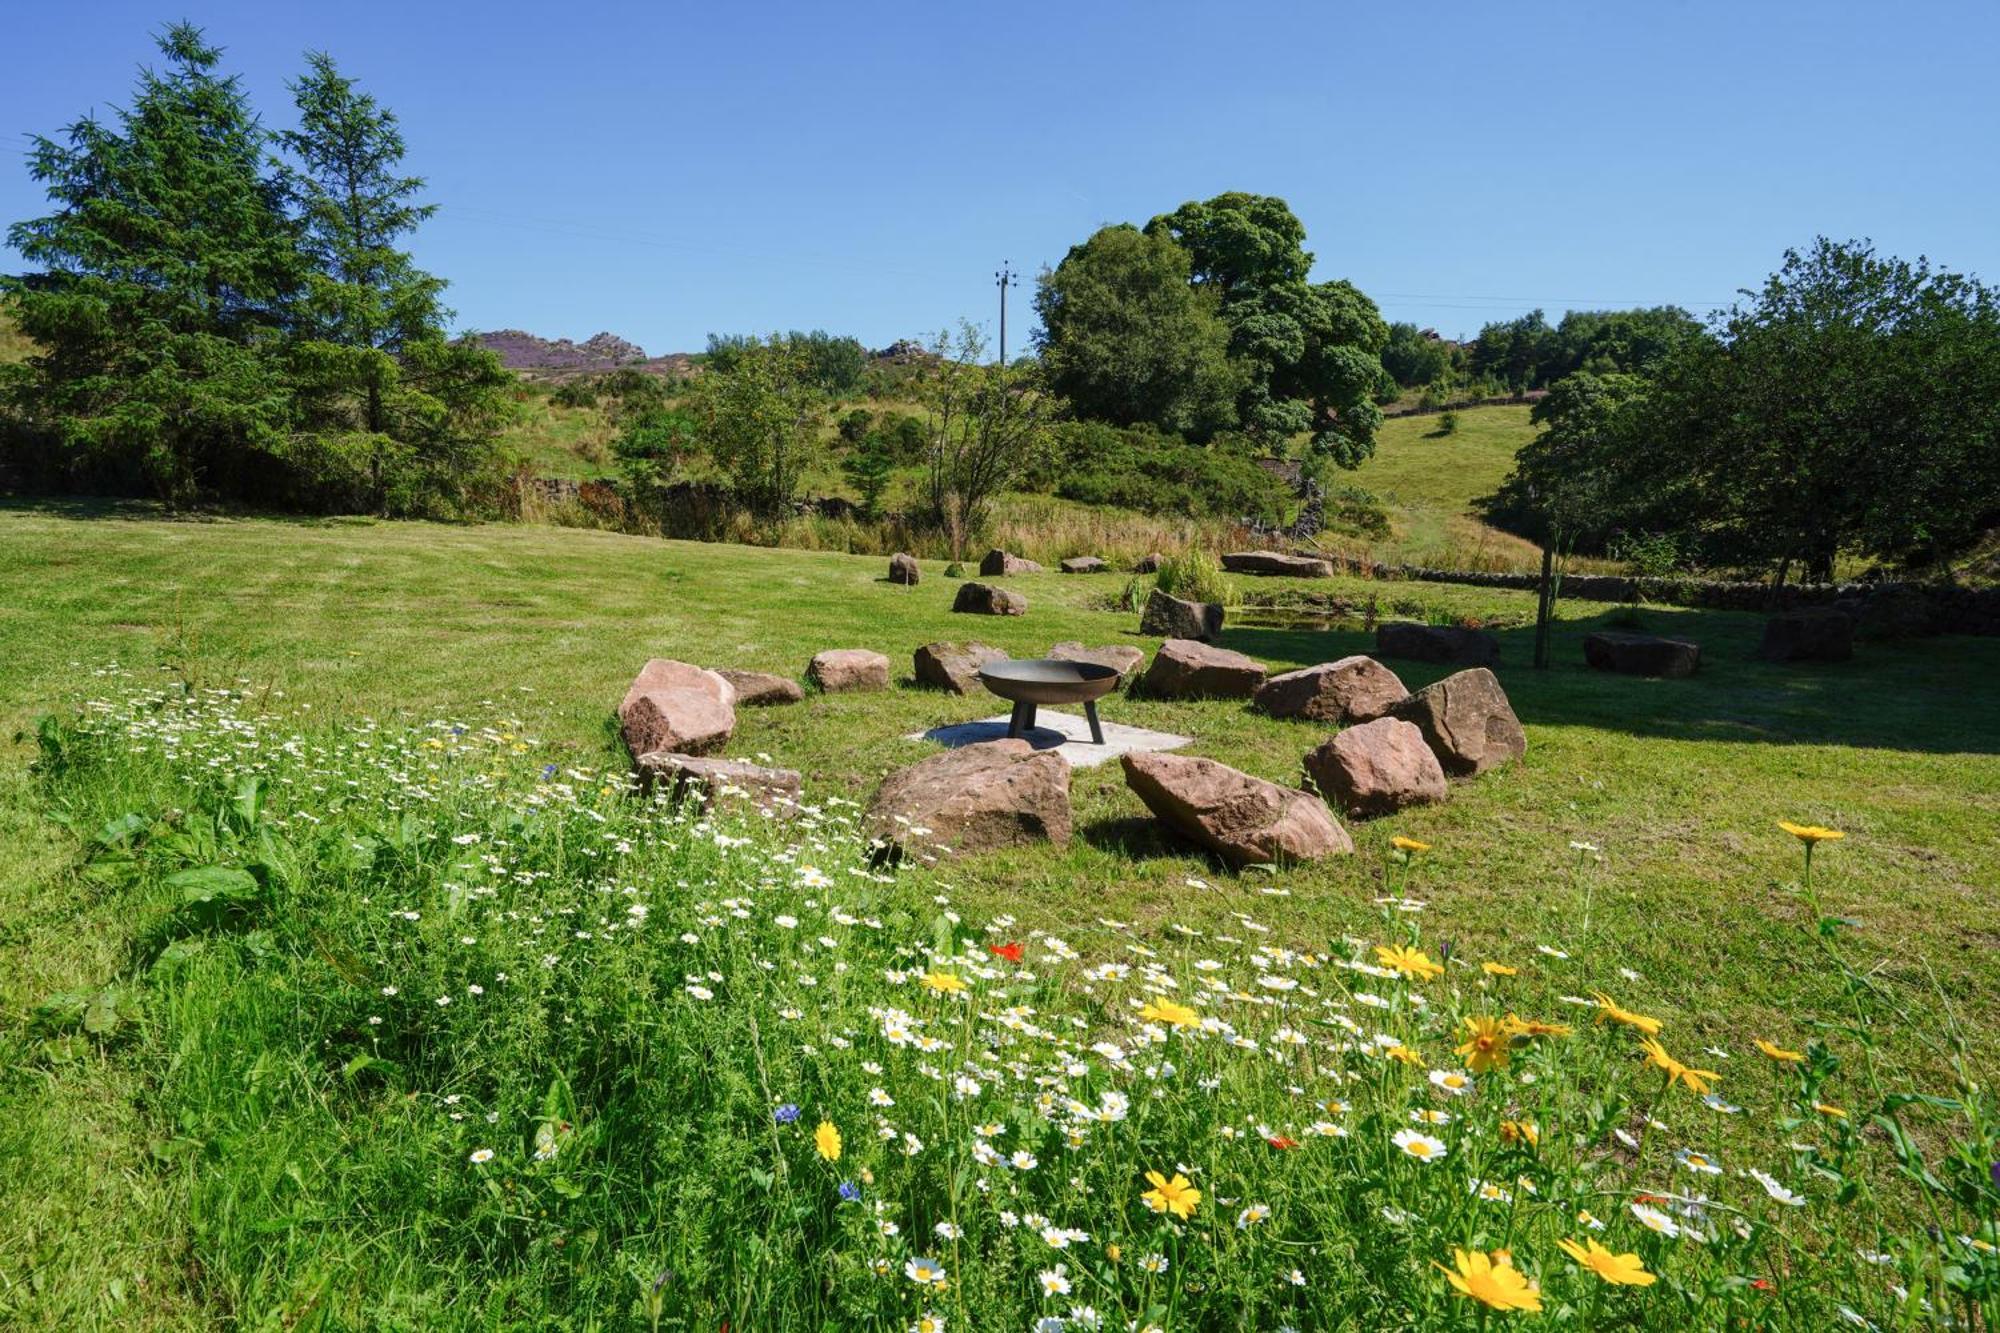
<point x="1679" y="784"/>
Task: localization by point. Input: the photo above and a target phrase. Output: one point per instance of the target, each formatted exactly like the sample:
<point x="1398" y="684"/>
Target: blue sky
<point x="662" y="171"/>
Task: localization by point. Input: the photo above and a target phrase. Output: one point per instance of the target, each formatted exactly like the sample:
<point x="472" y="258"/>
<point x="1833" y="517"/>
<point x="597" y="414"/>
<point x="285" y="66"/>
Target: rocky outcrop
<point x="723" y="783"/>
<point x="1467" y="722"/>
<point x="1449" y="644"/>
<point x="1353" y="689"/>
<point x="953" y="666"/>
<point x="998" y="563"/>
<point x="676" y="706"/>
<point x="1190" y="669"/>
<point x="1377" y="768"/>
<point x="1243" y="819"/>
<point x="761" y="689"/>
<point x="846" y="670"/>
<point x="1084" y="564"/>
<point x="997" y="794"/>
<point x="1641" y="654"/>
<point x="1171" y="617"/>
<point x="1815" y="634"/>
<point x="985" y="599"/>
<point x="1119" y="657"/>
<point x="903" y="569"/>
<point x="1277" y="563"/>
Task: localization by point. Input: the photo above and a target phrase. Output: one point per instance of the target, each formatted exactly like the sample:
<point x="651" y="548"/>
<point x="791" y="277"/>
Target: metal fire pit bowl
<point x="1028" y="682"/>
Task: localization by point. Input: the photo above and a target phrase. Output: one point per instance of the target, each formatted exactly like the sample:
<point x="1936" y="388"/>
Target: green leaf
<point x="208" y="884"/>
<point x="123" y="829"/>
<point x="101" y="1017"/>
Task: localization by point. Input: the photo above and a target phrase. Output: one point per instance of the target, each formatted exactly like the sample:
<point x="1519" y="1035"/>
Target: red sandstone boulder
<point x="985" y="599"/>
<point x="1172" y="617"/>
<point x="1121" y="658"/>
<point x="998" y="562"/>
<point x="1187" y="669"/>
<point x="1448" y="644"/>
<point x="723" y="783"/>
<point x="1377" y="768"/>
<point x="1242" y="819"/>
<point x="844" y="670"/>
<point x="760" y="689"/>
<point x="903" y="569"/>
<point x="1353" y="689"/>
<point x="1467" y="722"/>
<point x="1280" y="563"/>
<point x="953" y="666"/>
<point x="996" y="794"/>
<point x="677" y="706"/>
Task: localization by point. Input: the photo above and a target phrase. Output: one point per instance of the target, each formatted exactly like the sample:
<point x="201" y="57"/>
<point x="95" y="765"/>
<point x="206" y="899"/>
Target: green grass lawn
<point x="1680" y="783"/>
<point x="1432" y="482"/>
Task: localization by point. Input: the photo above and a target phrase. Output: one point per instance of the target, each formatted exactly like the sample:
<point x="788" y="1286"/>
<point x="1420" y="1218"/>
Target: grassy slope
<point x="1679" y="782"/>
<point x="1431" y="481"/>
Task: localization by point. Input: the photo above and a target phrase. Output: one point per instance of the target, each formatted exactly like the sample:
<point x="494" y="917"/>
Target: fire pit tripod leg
<point x="1096" y="730"/>
<point x="1022" y="722"/>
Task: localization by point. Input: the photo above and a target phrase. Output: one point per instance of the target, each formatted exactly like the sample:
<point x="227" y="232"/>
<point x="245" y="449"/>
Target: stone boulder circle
<point x="1641" y="654"/>
<point x="903" y="569"/>
<point x="1467" y="722"/>
<point x="1243" y="819"/>
<point x="1001" y="793"/>
<point x="1815" y="634"/>
<point x="676" y="706"/>
<point x="1448" y="644"/>
<point x="985" y="599"/>
<point x="1277" y="563"/>
<point x="1190" y="669"/>
<point x="1084" y="564"/>
<point x="998" y="563"/>
<point x="761" y="689"/>
<point x="845" y="670"/>
<point x="1122" y="658"/>
<point x="722" y="783"/>
<point x="1171" y="617"/>
<point x="953" y="666"/>
<point x="1377" y="768"/>
<point x="1353" y="689"/>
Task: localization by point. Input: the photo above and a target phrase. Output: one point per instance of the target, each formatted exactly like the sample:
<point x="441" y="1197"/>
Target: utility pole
<point x="1004" y="279"/>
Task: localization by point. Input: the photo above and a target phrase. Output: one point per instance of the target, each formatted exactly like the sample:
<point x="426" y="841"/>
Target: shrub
<point x="1195" y="576"/>
<point x="1447" y="422"/>
<point x="1155" y="473"/>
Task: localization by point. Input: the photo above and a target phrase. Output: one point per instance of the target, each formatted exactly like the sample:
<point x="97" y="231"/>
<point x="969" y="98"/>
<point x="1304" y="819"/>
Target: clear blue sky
<point x="662" y="171"/>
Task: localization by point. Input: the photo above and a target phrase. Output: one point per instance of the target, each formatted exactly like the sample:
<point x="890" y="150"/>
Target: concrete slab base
<point x="1068" y="734"/>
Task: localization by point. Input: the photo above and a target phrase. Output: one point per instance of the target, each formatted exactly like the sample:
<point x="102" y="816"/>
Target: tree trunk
<point x="1545" y="603"/>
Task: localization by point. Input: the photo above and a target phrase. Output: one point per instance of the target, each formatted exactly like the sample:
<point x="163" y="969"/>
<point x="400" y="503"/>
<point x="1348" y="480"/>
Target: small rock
<point x="1641" y="654"/>
<point x="1084" y="564"/>
<point x="761" y="689"/>
<point x="1244" y="820"/>
<point x="1449" y="644"/>
<point x="844" y="670"/>
<point x="1277" y="563"/>
<point x="1815" y="634"/>
<point x="984" y="599"/>
<point x="677" y="706"/>
<point x="1000" y="793"/>
<point x="1467" y="722"/>
<point x="1119" y="657"/>
<point x="954" y="666"/>
<point x="1171" y="617"/>
<point x="1149" y="564"/>
<point x="1353" y="689"/>
<point x="723" y="782"/>
<point x="903" y="569"/>
<point x="998" y="562"/>
<point x="1190" y="669"/>
<point x="1377" y="768"/>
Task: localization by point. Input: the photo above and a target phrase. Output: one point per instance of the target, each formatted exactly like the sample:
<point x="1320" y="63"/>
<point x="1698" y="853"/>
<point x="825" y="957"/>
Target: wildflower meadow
<point x="452" y="1033"/>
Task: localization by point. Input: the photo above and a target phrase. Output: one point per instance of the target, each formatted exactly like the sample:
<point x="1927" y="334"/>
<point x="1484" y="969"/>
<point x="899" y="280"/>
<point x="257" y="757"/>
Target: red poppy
<point x="1011" y="952"/>
<point x="1764" y="1284"/>
<point x="1652" y="1198"/>
<point x="1280" y="1141"/>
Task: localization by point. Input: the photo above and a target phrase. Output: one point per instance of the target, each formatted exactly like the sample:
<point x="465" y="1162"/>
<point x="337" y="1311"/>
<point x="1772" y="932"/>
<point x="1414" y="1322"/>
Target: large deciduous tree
<point x="1309" y="352"/>
<point x="1126" y="338"/>
<point x="761" y="419"/>
<point x="983" y="427"/>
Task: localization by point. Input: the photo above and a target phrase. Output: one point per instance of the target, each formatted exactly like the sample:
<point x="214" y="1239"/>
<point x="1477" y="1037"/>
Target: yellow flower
<point x="1609" y="1009"/>
<point x="1520" y="1131"/>
<point x="1403" y="844"/>
<point x="1177" y="1196"/>
<point x="1499" y="970"/>
<point x="1778" y="1052"/>
<point x="1698" y="1080"/>
<point x="1624" y="1270"/>
<point x="1488" y="1046"/>
<point x="1810" y="833"/>
<point x="1410" y="962"/>
<point x="1518" y="1026"/>
<point x="942" y="981"/>
<point x="1492" y="1280"/>
<point x="1113" y="1253"/>
<point x="1406" y="1055"/>
<point x="1833" y="1112"/>
<point x="827" y="1139"/>
<point x="1170" y="1013"/>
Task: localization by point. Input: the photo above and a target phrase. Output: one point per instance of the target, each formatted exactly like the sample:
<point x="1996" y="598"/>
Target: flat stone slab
<point x="1068" y="734"/>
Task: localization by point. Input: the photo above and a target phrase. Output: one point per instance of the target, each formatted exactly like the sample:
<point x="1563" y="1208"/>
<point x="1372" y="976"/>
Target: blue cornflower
<point x="548" y="771"/>
<point x="785" y="1114"/>
<point x="850" y="1192"/>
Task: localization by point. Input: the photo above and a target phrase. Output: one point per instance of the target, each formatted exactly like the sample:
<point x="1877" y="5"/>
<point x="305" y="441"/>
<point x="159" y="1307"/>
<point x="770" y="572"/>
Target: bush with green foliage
<point x="869" y="467"/>
<point x="1154" y="473"/>
<point x="833" y="362"/>
<point x="1195" y="575"/>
